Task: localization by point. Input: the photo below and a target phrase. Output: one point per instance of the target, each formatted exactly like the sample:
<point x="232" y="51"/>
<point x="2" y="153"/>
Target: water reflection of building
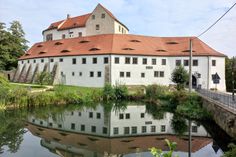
<point x="98" y="133"/>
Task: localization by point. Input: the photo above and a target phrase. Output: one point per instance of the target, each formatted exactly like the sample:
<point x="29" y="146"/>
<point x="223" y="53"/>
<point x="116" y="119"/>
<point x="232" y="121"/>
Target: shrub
<point x="44" y="78"/>
<point x="108" y="92"/>
<point x="154" y="92"/>
<point x="120" y="91"/>
<point x="231" y="152"/>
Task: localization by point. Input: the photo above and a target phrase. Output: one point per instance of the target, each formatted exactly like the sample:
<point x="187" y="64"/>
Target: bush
<point x="44" y="78"/>
<point x="154" y="92"/>
<point x="231" y="152"/>
<point x="117" y="92"/>
<point x="108" y="92"/>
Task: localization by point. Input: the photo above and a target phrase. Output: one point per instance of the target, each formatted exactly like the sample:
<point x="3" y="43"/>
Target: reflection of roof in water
<point x="121" y="145"/>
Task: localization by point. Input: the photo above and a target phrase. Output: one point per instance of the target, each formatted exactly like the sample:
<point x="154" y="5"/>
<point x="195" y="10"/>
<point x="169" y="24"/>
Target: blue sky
<point x="146" y="17"/>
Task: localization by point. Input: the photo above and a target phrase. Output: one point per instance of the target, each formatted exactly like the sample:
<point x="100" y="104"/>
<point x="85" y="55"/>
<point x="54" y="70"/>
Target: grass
<point x="25" y="85"/>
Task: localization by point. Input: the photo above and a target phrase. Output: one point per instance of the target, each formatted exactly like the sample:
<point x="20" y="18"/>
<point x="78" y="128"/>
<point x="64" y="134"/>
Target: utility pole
<point x="190" y="64"/>
<point x="190" y="90"/>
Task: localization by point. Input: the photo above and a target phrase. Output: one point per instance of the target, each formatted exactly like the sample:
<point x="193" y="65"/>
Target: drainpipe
<point x="208" y="72"/>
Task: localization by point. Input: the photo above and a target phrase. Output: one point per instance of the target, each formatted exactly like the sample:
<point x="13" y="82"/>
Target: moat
<point x="125" y="129"/>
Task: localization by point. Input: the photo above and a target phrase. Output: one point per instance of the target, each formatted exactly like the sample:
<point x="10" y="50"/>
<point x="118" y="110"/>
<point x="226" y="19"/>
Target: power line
<point x="216" y="21"/>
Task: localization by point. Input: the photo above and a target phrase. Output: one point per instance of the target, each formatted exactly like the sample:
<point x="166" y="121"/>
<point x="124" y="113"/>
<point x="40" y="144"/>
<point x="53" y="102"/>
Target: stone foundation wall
<point x="223" y="116"/>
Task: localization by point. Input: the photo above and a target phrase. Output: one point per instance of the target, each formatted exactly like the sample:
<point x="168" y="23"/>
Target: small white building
<point x="94" y="49"/>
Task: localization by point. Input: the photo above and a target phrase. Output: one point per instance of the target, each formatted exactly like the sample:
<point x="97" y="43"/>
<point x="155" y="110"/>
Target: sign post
<point x="215" y="79"/>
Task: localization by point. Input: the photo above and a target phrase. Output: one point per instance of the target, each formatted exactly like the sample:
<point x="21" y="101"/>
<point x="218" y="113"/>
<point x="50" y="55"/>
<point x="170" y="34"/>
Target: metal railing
<point x="224" y="99"/>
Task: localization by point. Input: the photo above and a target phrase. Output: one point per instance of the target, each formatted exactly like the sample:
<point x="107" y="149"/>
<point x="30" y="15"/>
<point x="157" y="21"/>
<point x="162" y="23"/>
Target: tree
<point x="12" y="45"/>
<point x="228" y="74"/>
<point x="180" y="77"/>
<point x="159" y="153"/>
<point x="44" y="78"/>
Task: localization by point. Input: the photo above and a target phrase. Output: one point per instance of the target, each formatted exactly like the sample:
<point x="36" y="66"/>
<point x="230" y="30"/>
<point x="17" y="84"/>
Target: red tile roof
<point x="121" y="44"/>
<point x="78" y="21"/>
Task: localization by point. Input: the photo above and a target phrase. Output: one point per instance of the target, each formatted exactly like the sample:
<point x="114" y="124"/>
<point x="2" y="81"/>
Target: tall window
<point x="156" y="73"/>
<point x="105" y="60"/>
<point x="128" y="74"/>
<point x="99" y="74"/>
<point x="83" y="60"/>
<point x="116" y="131"/>
<point x="144" y="60"/>
<point x="142" y="75"/>
<point x="213" y="62"/>
<point x="163" y="128"/>
<point x="49" y="37"/>
<point x="122" y="74"/>
<point x="144" y="129"/>
<point x="73" y="60"/>
<point x="94" y="60"/>
<point x="186" y="63"/>
<point x="178" y="62"/>
<point x="93" y="128"/>
<point x="80" y="34"/>
<point x="163" y="62"/>
<point x="135" y="60"/>
<point x="195" y="62"/>
<point x="134" y="129"/>
<point x="154" y="61"/>
<point x="127" y="60"/>
<point x="63" y="36"/>
<point x="162" y="74"/>
<point x="91" y="73"/>
<point x="117" y="60"/>
<point x="153" y="128"/>
<point x="126" y="130"/>
<point x="97" y="27"/>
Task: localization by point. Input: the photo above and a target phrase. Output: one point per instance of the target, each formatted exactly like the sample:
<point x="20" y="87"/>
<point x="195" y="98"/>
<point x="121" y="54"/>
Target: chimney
<point x="68" y="16"/>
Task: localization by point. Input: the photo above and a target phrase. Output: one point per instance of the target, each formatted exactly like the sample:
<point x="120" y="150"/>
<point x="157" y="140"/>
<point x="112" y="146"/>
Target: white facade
<point x="78" y="74"/>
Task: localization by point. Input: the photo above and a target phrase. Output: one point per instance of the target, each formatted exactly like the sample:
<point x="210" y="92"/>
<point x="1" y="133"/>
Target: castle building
<point x="93" y="49"/>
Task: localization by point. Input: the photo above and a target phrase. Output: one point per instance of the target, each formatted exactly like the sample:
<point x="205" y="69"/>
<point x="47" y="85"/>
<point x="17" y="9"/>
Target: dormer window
<point x="103" y="16"/>
<point x="65" y="50"/>
<point x="93" y="17"/>
<point x="94" y="49"/>
<point x="187" y="51"/>
<point x="84" y="41"/>
<point x="161" y="50"/>
<point x="40" y="45"/>
<point x="128" y="48"/>
<point x="58" y="43"/>
<point x="135" y="41"/>
<point x="42" y="52"/>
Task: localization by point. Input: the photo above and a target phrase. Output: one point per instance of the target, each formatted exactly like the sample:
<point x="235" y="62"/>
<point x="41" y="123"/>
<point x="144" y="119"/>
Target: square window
<point x="98" y="115"/>
<point x="128" y="74"/>
<point x="105" y="60"/>
<point x="135" y="60"/>
<point x="121" y="116"/>
<point x="34" y="61"/>
<point x="144" y="60"/>
<point x="116" y="131"/>
<point x="142" y="115"/>
<point x="59" y="126"/>
<point x="73" y="60"/>
<point x="127" y="60"/>
<point x="104" y="130"/>
<point x="163" y="128"/>
<point x="83" y="60"/>
<point x="117" y="60"/>
<point x="186" y="63"/>
<point x="127" y="116"/>
<point x="99" y="74"/>
<point x="91" y="74"/>
<point x="122" y="74"/>
<point x="94" y="60"/>
<point x="178" y="62"/>
<point x="90" y="114"/>
<point x="163" y="62"/>
<point x="97" y="27"/>
<point x="126" y="130"/>
<point x="82" y="127"/>
<point x="153" y="128"/>
<point x="61" y="60"/>
<point x="93" y="128"/>
<point x="72" y="126"/>
<point x="103" y="16"/>
<point x="195" y="62"/>
<point x="50" y="124"/>
<point x="142" y="75"/>
<point x="154" y="61"/>
<point x="144" y="129"/>
<point x="162" y="74"/>
<point x="156" y="73"/>
<point x="213" y="62"/>
<point x="134" y="129"/>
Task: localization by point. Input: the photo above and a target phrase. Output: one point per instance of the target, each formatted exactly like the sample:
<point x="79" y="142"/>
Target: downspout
<point x="208" y="71"/>
<point x="110" y="69"/>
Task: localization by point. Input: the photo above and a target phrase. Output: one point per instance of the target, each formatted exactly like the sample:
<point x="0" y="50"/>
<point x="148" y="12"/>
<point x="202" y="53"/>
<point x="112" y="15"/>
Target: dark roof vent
<point x="172" y="43"/>
<point x="58" y="43"/>
<point x="161" y="50"/>
<point x="84" y="41"/>
<point x="94" y="49"/>
<point x="39" y="45"/>
<point x="65" y="50"/>
<point x="128" y="48"/>
<point x="188" y="51"/>
<point x="135" y="41"/>
<point x="42" y="52"/>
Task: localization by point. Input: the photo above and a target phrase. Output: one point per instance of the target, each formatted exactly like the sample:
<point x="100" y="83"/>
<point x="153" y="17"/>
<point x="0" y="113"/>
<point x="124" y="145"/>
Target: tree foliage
<point x="180" y="77"/>
<point x="228" y="74"/>
<point x="159" y="153"/>
<point x="12" y="45"/>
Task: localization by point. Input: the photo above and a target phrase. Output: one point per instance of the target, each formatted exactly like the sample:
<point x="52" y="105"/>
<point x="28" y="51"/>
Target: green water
<point x="124" y="129"/>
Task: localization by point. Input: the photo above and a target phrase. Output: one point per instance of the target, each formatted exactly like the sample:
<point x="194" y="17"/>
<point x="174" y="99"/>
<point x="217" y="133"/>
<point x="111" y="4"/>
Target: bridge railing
<point x="224" y="99"/>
